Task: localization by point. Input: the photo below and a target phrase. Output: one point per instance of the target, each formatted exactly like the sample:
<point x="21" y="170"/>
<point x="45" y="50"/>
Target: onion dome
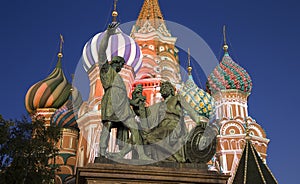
<point x="228" y="75"/>
<point x="119" y="44"/>
<point x="51" y="92"/>
<point x="201" y="101"/>
<point x="66" y="116"/>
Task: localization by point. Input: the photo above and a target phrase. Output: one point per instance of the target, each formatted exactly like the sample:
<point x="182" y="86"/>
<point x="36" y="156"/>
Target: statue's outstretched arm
<point x="111" y="29"/>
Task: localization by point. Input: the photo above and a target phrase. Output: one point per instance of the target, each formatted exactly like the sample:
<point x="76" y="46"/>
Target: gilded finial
<point x="189" y="63"/>
<point x="60" y="55"/>
<point x="247" y="130"/>
<point x="115" y="13"/>
<point x="72" y="76"/>
<point x="225" y="46"/>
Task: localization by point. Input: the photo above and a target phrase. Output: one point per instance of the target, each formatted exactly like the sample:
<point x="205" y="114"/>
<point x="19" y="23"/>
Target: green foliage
<point x="26" y="149"/>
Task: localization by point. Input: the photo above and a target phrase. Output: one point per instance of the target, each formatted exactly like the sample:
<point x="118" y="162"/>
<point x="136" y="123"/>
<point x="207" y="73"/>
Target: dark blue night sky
<point x="264" y="38"/>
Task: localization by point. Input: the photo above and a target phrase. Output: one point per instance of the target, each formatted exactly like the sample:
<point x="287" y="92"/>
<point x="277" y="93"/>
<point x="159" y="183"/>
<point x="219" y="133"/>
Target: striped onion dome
<point x="51" y="92"/>
<point x="66" y="116"/>
<point x="119" y="44"/>
<point x="201" y="101"/>
<point x="229" y="75"/>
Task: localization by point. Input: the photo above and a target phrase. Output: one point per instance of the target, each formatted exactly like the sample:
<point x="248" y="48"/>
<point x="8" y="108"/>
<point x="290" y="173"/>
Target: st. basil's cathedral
<point x="151" y="57"/>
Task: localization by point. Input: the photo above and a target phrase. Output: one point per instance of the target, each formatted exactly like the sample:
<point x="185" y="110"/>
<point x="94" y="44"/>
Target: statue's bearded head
<point x="166" y="89"/>
<point x="139" y="88"/>
<point x="117" y="63"/>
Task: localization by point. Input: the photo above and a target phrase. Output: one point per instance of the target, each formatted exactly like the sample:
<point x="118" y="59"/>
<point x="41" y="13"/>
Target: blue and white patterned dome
<point x="119" y="44"/>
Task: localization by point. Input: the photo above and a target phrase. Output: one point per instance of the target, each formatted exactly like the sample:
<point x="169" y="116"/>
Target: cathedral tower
<point x="230" y="85"/>
<point x="56" y="101"/>
<point x="160" y="56"/>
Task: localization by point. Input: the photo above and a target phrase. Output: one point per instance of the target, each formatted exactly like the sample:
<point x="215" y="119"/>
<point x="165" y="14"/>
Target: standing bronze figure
<point x="115" y="106"/>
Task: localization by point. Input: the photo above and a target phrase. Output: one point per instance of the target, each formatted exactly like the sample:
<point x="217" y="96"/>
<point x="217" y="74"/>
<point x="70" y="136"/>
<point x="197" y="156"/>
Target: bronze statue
<point x="138" y="101"/>
<point x="160" y="128"/>
<point x="167" y="135"/>
<point x="115" y="106"/>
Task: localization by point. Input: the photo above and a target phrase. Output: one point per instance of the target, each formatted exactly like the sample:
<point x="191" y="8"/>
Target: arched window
<point x="233" y="144"/>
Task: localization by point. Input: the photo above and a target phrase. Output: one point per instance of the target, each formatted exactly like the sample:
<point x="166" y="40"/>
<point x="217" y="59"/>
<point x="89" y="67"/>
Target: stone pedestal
<point x="164" y="173"/>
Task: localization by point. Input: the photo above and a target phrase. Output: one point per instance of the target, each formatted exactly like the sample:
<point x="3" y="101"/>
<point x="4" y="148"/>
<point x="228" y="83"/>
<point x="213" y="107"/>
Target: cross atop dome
<point x="228" y="75"/>
<point x="115" y="13"/>
<point x="189" y="63"/>
<point x="225" y="46"/>
<point x="60" y="55"/>
<point x="51" y="92"/>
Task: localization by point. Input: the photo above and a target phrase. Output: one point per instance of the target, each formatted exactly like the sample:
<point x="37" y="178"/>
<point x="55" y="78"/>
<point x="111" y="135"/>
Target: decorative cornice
<point x="155" y="35"/>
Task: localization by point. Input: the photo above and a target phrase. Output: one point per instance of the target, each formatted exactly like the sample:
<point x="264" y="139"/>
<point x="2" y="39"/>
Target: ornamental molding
<point x="256" y="129"/>
<point x="149" y="56"/>
<point x="242" y="137"/>
<point x="231" y="93"/>
<point x="225" y="101"/>
<point x="163" y="29"/>
<point x="231" y="125"/>
<point x="166" y="58"/>
<point x="237" y="151"/>
<point x="147" y="28"/>
<point x="150" y="36"/>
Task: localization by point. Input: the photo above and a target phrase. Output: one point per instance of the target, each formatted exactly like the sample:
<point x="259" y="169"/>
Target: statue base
<point x="108" y="171"/>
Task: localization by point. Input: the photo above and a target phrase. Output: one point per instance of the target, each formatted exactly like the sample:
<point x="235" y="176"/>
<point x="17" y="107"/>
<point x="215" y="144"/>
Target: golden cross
<point x="224" y="34"/>
<point x="115" y="4"/>
<point x="247" y="127"/>
<point x="189" y="57"/>
<point x="61" y="42"/>
<point x="72" y="76"/>
<point x="189" y="63"/>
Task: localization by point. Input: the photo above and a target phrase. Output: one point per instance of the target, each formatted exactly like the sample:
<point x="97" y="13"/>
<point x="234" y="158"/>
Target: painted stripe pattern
<point x="119" y="44"/>
<point x="229" y="75"/>
<point x="51" y="92"/>
<point x="199" y="100"/>
<point x="66" y="116"/>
